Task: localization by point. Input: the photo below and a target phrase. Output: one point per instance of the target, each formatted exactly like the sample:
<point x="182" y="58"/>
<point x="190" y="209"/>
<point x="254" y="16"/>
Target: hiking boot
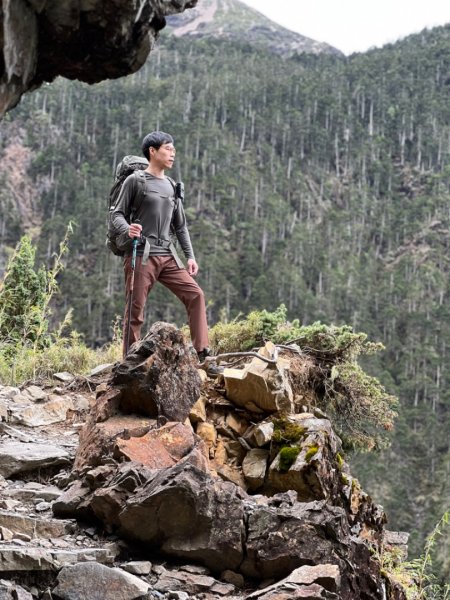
<point x="212" y="369"/>
<point x="202" y="354"/>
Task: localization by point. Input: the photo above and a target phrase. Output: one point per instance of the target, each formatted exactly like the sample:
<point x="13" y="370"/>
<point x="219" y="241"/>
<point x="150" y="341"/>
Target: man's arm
<point x="181" y="231"/>
<point x="121" y="214"/>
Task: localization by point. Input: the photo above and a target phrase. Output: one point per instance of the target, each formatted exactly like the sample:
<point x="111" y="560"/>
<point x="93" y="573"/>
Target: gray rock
<point x="65" y="377"/>
<point x="21" y="399"/>
<point x="9" y="590"/>
<point x="16" y="557"/>
<point x="397" y="539"/>
<point x="137" y="567"/>
<point x="222" y="589"/>
<point x="196" y="569"/>
<point x="188" y="582"/>
<point x="34" y="393"/>
<point x="254" y="467"/>
<point x="15" y="433"/>
<point x="32" y="489"/>
<point x="52" y="410"/>
<point x="263" y="433"/>
<point x="315" y="472"/>
<point x="23" y="537"/>
<point x="42" y="528"/>
<point x="7" y="504"/>
<point x="289" y="591"/>
<point x="166" y="386"/>
<point x="280" y="540"/>
<point x="188" y="514"/>
<point x="98" y="582"/>
<point x="6" y="534"/>
<point x="8" y="392"/>
<point x="19" y="457"/>
<point x="324" y="575"/>
<point x="101" y="369"/>
<point x="80" y="403"/>
<point x="3" y="409"/>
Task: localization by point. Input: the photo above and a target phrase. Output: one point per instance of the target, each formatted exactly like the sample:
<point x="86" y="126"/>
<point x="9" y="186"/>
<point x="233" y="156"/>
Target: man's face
<point x="164" y="156"/>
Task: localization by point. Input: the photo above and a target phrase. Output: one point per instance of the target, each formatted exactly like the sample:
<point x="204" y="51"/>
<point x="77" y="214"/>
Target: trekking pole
<point x="130" y="290"/>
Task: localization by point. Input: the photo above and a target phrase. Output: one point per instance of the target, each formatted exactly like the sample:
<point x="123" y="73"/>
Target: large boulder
<point x="157" y="381"/>
<point x="187" y="514"/>
<point x="310" y="465"/>
<point x="261" y="386"/>
<point x="158" y="378"/>
<point x="98" y="582"/>
<point x="20" y="457"/>
<point x="284" y="534"/>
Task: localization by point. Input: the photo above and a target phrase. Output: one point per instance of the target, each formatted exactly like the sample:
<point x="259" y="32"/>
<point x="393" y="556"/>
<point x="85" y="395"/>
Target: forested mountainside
<point x="317" y="181"/>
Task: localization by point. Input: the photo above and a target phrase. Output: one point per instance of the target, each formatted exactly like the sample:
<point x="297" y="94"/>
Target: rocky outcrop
<point x="88" y="40"/>
<point x="243" y="493"/>
<point x="245" y="485"/>
<point x="157" y="383"/>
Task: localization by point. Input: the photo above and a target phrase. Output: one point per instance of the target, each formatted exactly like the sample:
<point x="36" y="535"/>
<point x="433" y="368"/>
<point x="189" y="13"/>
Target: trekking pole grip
<point x="135" y="245"/>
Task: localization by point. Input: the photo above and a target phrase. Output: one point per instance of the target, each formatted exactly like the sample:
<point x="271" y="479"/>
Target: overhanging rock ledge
<point x="89" y="40"/>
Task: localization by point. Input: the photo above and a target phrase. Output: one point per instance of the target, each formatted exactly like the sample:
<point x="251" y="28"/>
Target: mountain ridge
<point x="234" y="20"/>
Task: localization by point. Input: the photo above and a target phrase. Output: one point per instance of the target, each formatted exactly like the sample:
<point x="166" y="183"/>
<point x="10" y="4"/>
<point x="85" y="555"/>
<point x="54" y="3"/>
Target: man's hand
<point x="192" y="267"/>
<point x="134" y="231"/>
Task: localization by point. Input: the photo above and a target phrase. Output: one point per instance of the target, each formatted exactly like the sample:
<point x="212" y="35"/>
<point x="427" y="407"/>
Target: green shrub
<point x="259" y="326"/>
<point x="359" y="406"/>
<point x="23" y="298"/>
<point x="28" y="350"/>
<point x="417" y="576"/>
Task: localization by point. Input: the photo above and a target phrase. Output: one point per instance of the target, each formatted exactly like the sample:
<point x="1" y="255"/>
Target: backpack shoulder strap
<point x="175" y="190"/>
<point x="140" y="178"/>
<point x="172" y="182"/>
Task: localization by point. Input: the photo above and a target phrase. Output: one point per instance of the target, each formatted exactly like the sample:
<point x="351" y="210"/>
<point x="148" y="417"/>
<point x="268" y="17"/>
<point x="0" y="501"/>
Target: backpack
<point x="128" y="165"/>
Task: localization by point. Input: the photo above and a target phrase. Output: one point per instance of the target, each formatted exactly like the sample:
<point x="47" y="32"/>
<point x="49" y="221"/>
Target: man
<point x="154" y="210"/>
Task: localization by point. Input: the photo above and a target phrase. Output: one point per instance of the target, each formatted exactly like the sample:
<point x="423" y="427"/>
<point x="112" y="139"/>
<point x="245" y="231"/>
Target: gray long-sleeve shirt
<point x="157" y="210"/>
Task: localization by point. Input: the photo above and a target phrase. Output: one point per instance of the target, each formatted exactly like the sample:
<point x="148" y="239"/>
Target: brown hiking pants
<point x="165" y="270"/>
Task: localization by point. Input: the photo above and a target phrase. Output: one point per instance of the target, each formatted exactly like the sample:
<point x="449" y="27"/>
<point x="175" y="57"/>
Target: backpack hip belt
<point x="167" y="244"/>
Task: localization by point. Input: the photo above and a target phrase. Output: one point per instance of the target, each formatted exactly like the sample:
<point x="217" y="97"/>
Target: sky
<point x="355" y="25"/>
